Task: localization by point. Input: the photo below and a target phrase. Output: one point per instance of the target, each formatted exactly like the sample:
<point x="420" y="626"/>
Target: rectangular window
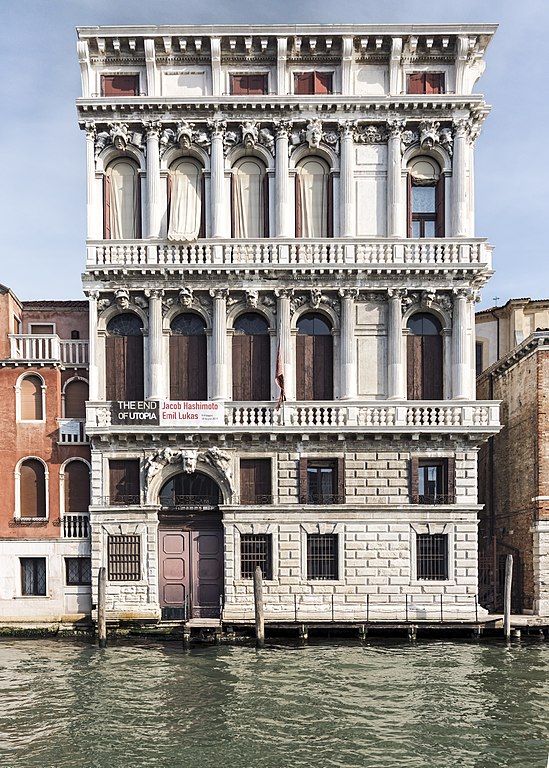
<point x="256" y="550"/>
<point x="321" y="481"/>
<point x="425" y="82"/>
<point x="255" y="481"/>
<point x="124" y="558"/>
<point x="432" y="481"/>
<point x="78" y="571"/>
<point x="33" y="576"/>
<point x="432" y="556"/>
<point x="42" y="329"/>
<point x="313" y="83"/>
<point x="124" y="481"/>
<point x="249" y="85"/>
<point x="479" y="350"/>
<point x="322" y="559"/>
<point x="119" y="85"/>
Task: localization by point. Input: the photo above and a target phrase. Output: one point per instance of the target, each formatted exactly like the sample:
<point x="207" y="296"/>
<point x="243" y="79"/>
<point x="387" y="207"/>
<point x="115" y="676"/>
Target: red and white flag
<point x="279" y="377"/>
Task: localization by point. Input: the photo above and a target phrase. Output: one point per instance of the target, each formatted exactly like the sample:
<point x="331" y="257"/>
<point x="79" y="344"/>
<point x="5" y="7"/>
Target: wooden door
<point x="124" y="368"/>
<point x="251" y="367"/>
<point x="188" y="368"/>
<point x="424" y="367"/>
<point x="174" y="572"/>
<point x="207" y="586"/>
<point x="314" y="364"/>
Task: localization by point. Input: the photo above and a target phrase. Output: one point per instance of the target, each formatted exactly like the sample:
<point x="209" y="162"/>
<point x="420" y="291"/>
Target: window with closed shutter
<point x="424" y="357"/>
<point x="251" y="356"/>
<point x="249" y="85"/>
<point x="313" y="83"/>
<point x="188" y="358"/>
<point x="255" y="481"/>
<point x="32" y="489"/>
<point x="76" y="394"/>
<point x="124" y="481"/>
<point x="124" y="358"/>
<point x="77" y="487"/>
<point x="119" y="85"/>
<point x="314" y="358"/>
<point x="425" y="83"/>
<point x="31" y="399"/>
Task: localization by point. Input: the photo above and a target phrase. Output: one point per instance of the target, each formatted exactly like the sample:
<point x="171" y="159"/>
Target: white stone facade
<point x="379" y="260"/>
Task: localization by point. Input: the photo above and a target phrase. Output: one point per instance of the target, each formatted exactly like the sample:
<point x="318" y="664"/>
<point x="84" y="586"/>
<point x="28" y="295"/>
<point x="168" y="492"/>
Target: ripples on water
<point x="423" y="705"/>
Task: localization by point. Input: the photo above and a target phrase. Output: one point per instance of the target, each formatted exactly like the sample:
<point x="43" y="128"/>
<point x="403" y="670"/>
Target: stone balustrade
<point x="48" y="348"/>
<point x="433" y="254"/>
<point x="406" y="417"/>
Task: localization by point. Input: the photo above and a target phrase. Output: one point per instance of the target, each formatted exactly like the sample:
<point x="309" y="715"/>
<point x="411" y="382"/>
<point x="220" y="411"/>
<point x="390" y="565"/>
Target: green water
<point x="373" y="706"/>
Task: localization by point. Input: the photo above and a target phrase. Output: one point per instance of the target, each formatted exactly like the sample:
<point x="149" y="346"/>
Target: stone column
<point x="219" y="346"/>
<point x="396" y="214"/>
<point x="93" y="370"/>
<point x="347" y="182"/>
<point x="283" y="310"/>
<point x="395" y="363"/>
<point x="460" y="218"/>
<point x="460" y="356"/>
<point x="93" y="206"/>
<point x="156" y="377"/>
<point x="348" y="344"/>
<point x="217" y="178"/>
<point x="282" y="228"/>
<point x="153" y="180"/>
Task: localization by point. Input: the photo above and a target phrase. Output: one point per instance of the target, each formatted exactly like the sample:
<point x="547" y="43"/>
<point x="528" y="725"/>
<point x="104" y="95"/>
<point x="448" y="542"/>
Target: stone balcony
<point x="478" y="418"/>
<point x="367" y="255"/>
<point x="49" y="348"/>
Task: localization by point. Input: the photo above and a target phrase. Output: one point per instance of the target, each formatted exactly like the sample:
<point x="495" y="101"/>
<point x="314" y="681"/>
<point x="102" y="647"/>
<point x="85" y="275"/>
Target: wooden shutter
<point x="76" y="394"/>
<point x="330" y="206"/>
<point x="416" y="82"/>
<point x="32" y="489"/>
<point x="257" y="85"/>
<point x="440" y="205"/>
<point x="434" y="82"/>
<point x="197" y="368"/>
<point x="414" y="367"/>
<point x="135" y="385"/>
<point x="115" y="361"/>
<point x="260" y="367"/>
<point x="451" y="479"/>
<point x="414" y="479"/>
<point x="77" y="487"/>
<point x="238" y="85"/>
<point x="31" y="399"/>
<point x="341" y="480"/>
<point x="107" y="206"/>
<point x="124" y="362"/>
<point x="323" y="82"/>
<point x="298" y="213"/>
<point x="119" y="85"/>
<point x="431" y="363"/>
<point x="124" y="480"/>
<point x="304" y="367"/>
<point x="178" y="364"/>
<point x="255" y="481"/>
<point x="303" y="481"/>
<point x="304" y="83"/>
<point x="323" y="367"/>
<point x="241" y="354"/>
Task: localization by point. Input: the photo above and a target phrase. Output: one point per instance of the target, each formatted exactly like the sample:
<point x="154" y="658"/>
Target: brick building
<point x="513" y="465"/>
<point x="44" y="461"/>
<point x="286" y="207"/>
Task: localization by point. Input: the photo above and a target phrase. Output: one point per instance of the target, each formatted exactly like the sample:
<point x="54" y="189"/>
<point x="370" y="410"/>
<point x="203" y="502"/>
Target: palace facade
<point x="282" y="268"/>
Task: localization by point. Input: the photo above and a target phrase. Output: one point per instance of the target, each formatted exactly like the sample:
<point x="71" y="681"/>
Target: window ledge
<point x="32" y="597"/>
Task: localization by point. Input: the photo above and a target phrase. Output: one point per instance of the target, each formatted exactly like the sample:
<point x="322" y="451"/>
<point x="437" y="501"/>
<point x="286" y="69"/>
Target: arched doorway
<point x="190" y="547"/>
<point x="251" y="358"/>
<point x="314" y="358"/>
<point x="424" y="357"/>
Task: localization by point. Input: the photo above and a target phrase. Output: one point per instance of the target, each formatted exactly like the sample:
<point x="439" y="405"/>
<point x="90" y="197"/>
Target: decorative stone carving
<point x="185" y="297"/>
<point x="220" y="461"/>
<point x="297" y="301"/>
<point x="250" y="133"/>
<point x="219" y="293"/>
<point x="370" y="134"/>
<point x="428" y="134"/>
<point x="395" y="126"/>
<point x="267" y="139"/>
<point x="446" y="140"/>
<point x="141" y="302"/>
<point x="252" y="299"/>
<point x="122" y="298"/>
<point x="313" y="133"/>
<point x="282" y="128"/>
<point x="184" y="135"/>
<point x="119" y="134"/>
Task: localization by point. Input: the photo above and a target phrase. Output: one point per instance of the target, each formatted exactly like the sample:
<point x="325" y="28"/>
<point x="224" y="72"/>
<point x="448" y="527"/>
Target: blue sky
<point x="43" y="151"/>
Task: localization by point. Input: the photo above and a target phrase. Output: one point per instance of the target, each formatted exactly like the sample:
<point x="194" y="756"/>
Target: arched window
<point x="425" y="198"/>
<point x="314" y="214"/>
<point x="424" y="357"/>
<point x="252" y="372"/>
<point x="190" y="490"/>
<point x="188" y="358"/>
<point x="122" y="204"/>
<point x="250" y="204"/>
<point x="124" y="358"/>
<point x="32" y="489"/>
<point x="185" y="201"/>
<point x="31" y="398"/>
<point x="77" y="487"/>
<point x="314" y="358"/>
<point x="76" y="394"/>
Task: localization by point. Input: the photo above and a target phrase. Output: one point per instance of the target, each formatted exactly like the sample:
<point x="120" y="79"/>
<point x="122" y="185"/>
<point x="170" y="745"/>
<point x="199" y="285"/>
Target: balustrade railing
<point x="446" y="415"/>
<point x="75" y="526"/>
<point x="48" y="348"/>
<point x="366" y="252"/>
<point x="72" y="431"/>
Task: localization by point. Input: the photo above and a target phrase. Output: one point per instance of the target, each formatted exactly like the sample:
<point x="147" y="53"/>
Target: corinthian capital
<point x="219" y="293"/>
<point x="217" y="128"/>
<point x="152" y="128"/>
<point x="395" y="127"/>
<point x="347" y="129"/>
<point x="282" y="128"/>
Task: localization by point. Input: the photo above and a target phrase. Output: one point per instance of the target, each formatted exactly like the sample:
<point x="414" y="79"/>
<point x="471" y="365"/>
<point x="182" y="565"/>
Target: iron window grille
<point x="124" y="557"/>
<point x="33" y="576"/>
<point x="322" y="556"/>
<point x="78" y="571"/>
<point x="432" y="556"/>
<point x="256" y="550"/>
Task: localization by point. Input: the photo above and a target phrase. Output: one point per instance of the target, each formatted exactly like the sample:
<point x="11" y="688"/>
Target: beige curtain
<point x="248" y="205"/>
<point x="313" y="191"/>
<point x="123" y="200"/>
<point x="185" y="202"/>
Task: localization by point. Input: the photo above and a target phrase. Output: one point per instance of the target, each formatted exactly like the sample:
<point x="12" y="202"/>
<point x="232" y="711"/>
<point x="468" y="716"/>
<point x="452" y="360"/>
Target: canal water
<point x="379" y="705"/>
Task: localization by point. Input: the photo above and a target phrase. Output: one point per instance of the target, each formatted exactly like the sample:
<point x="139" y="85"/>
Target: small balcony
<point x="75" y="526"/>
<point x="72" y="432"/>
<point x="367" y="254"/>
<point x="48" y="349"/>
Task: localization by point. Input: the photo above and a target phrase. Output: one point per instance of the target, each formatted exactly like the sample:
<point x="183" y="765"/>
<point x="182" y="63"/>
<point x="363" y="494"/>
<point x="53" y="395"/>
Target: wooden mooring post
<point x="507" y="598"/>
<point x="101" y="607"/>
<point x="258" y="602"/>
